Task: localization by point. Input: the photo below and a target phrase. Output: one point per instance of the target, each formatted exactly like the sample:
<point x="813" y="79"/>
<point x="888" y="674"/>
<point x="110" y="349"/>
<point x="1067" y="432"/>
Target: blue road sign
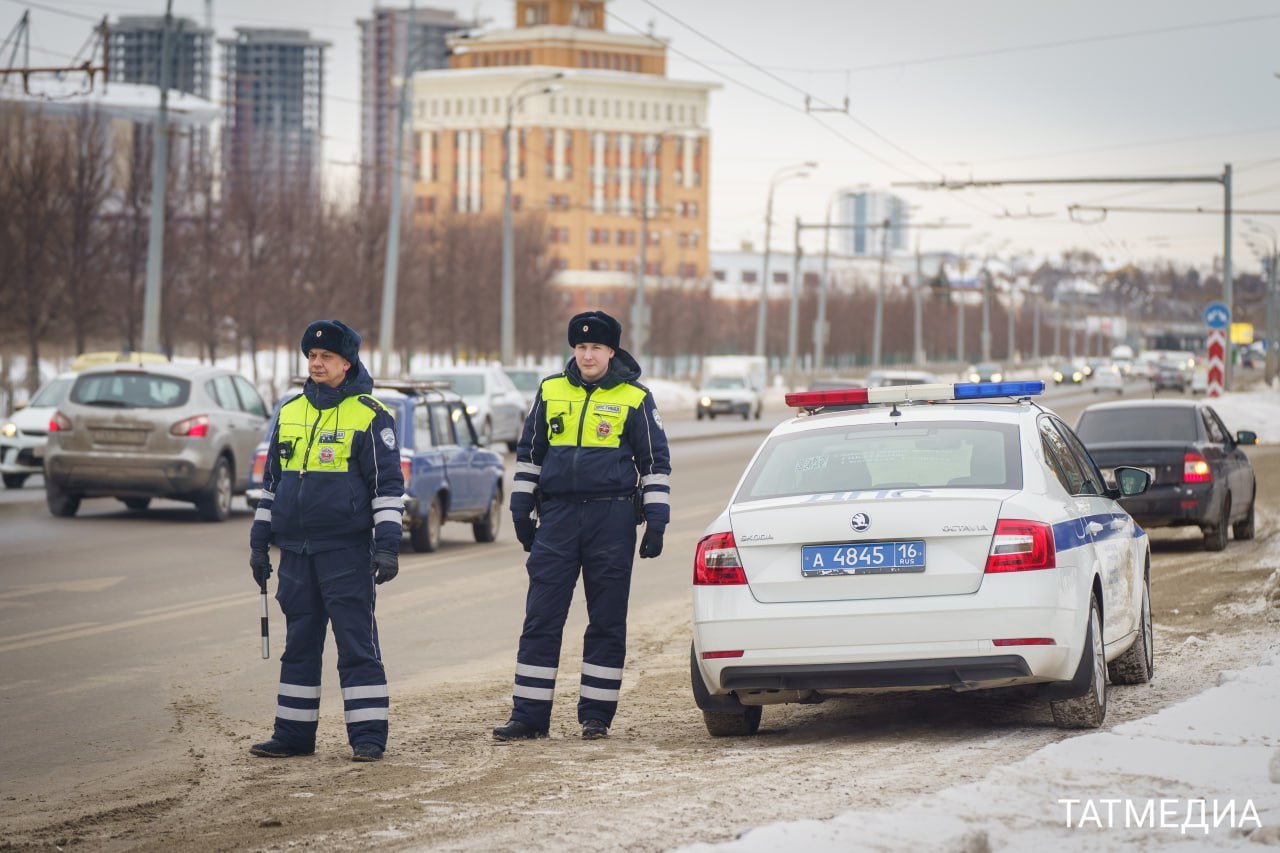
<point x="1217" y="315"/>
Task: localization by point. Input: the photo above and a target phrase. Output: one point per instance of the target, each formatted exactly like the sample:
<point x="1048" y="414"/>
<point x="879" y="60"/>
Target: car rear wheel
<point x="136" y="504"/>
<point x="426" y="535"/>
<point x="1087" y="711"/>
<point x="486" y="529"/>
<point x="730" y="725"/>
<point x="60" y="503"/>
<point x="1243" y="530"/>
<point x="214" y="504"/>
<point x="14" y="481"/>
<point x="1137" y="664"/>
<point x="1215" y="538"/>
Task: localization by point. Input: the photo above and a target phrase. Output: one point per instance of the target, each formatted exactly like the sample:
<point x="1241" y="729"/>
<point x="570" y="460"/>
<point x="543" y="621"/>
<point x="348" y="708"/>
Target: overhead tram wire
<point x="822" y="101"/>
<point x="30" y="4"/>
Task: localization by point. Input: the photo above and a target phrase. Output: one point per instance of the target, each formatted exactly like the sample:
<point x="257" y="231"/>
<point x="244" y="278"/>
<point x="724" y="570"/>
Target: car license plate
<point x="862" y="558"/>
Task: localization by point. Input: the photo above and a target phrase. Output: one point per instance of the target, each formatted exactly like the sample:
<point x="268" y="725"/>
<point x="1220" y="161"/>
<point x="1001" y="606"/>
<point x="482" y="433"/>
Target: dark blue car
<point x="448" y="476"/>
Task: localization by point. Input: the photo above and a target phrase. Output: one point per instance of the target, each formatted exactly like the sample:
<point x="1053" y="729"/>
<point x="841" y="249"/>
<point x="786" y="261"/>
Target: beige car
<point x="142" y="431"/>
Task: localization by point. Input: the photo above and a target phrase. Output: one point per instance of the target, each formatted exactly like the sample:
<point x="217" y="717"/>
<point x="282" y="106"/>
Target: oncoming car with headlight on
<point x="945" y="537"/>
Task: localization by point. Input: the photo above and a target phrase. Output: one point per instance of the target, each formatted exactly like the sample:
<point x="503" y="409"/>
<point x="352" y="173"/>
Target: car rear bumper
<point x="1175" y="505"/>
<point x="127" y="474"/>
<point x="891" y="644"/>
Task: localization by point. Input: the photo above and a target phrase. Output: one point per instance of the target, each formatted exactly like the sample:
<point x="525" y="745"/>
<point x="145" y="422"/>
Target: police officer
<point x="332" y="502"/>
<point x="593" y="437"/>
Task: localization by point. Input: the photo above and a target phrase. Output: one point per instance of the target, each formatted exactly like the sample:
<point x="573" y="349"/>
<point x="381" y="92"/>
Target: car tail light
<point x="1020" y="546"/>
<point x="59" y="423"/>
<point x="717" y="563"/>
<point x="259" y="465"/>
<point x="1195" y="469"/>
<point x="196" y="427"/>
<point x="406" y="468"/>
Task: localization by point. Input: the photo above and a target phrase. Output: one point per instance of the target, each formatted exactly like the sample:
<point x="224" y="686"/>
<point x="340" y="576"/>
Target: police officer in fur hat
<point x="333" y="447"/>
<point x="593" y="460"/>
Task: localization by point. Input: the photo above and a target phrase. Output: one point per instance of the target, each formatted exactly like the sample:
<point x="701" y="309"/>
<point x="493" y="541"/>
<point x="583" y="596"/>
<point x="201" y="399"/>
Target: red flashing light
<point x="1019" y="546"/>
<point x="195" y="427"/>
<point x="1195" y="469"/>
<point x="814" y="399"/>
<point x="736" y="653"/>
<point x="717" y="563"/>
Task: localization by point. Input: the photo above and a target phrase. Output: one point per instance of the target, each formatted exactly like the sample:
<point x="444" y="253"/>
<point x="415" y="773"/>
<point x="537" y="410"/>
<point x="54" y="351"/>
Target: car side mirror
<point x="1246" y="436"/>
<point x="1132" y="481"/>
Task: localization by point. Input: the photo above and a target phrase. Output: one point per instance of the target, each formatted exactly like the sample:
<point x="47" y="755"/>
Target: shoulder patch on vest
<point x="373" y="404"/>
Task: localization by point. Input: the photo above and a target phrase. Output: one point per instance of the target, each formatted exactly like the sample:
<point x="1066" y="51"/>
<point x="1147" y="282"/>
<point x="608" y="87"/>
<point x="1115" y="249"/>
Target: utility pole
<point x="792" y="316"/>
<point x="877" y="330"/>
<point x="159" y="172"/>
<point x="986" y="310"/>
<point x="391" y="269"/>
<point x="917" y="325"/>
<point x="640" y="310"/>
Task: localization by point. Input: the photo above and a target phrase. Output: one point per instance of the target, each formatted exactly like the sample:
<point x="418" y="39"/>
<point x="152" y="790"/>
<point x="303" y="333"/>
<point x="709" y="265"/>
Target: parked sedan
<point x="142" y="431"/>
<point x="946" y="537"/>
<point x="1200" y="474"/>
<point x="448" y="475"/>
<point x="496" y="406"/>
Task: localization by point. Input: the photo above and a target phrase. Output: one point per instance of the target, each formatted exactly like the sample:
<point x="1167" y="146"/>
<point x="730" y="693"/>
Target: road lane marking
<point x="30" y="634"/>
<point x="87" y="585"/>
<point x="75" y="632"/>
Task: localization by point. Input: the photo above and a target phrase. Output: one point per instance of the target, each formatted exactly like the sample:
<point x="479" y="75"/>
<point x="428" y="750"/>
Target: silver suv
<point x="142" y="431"/>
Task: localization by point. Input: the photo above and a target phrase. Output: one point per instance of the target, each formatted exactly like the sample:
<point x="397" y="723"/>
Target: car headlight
<point x="472" y="409"/>
<point x="1076" y="377"/>
<point x="705" y="402"/>
<point x="9" y="430"/>
<point x="1057" y="376"/>
<point x="973" y="377"/>
<point x="996" y="377"/>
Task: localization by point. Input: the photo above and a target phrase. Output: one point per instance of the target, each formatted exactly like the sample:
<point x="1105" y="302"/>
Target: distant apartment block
<point x="273" y="114"/>
<point x="135" y="49"/>
<point x="867" y="212"/>
<point x="382" y="54"/>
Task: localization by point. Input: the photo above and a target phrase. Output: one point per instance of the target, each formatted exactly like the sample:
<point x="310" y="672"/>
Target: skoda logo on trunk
<point x="861" y="522"/>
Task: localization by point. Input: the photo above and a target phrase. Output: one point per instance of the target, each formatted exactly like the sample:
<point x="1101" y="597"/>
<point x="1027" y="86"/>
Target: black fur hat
<point x="334" y="336"/>
<point x="595" y="327"/>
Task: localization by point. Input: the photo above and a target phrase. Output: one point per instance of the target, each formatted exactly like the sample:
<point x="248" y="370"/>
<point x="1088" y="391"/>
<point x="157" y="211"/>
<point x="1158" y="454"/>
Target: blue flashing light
<point x="979" y="390"/>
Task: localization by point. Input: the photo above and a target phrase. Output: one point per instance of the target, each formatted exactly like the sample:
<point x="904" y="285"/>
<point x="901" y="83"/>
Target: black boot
<point x="366" y="752"/>
<point x="594" y="729"/>
<point x="278" y="749"/>
<point x="516" y="730"/>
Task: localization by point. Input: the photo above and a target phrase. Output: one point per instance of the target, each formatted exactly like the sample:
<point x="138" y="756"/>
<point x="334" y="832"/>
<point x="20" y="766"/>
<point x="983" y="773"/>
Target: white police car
<point x="953" y="536"/>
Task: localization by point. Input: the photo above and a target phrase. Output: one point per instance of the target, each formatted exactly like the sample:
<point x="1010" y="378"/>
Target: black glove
<point x="386" y="565"/>
<point x="260" y="562"/>
<point x="651" y="544"/>
<point x="525" y="531"/>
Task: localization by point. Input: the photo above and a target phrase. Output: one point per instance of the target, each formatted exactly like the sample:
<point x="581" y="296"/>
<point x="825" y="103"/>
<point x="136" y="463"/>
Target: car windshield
<point x="53" y="392"/>
<point x="466" y="384"/>
<point x="1137" y="425"/>
<point x="525" y="380"/>
<point x="724" y="382"/>
<point x="130" y="391"/>
<point x="988" y="367"/>
<point x="946" y="454"/>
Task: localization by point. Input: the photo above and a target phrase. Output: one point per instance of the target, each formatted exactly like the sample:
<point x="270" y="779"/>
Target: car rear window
<point x="131" y="391"/>
<point x="863" y="457"/>
<point x="1137" y="424"/>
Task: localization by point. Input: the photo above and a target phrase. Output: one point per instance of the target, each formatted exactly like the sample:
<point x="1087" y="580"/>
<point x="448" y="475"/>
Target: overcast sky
<point x="981" y="88"/>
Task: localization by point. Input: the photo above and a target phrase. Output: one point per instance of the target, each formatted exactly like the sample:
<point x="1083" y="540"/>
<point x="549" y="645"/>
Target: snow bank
<point x="1222" y="745"/>
<point x="1255" y="410"/>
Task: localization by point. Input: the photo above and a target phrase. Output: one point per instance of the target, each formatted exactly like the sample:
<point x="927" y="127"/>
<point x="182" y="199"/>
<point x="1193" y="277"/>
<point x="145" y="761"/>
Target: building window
<point x="598" y="266"/>
<point x="718" y="275"/>
<point x="692" y="210"/>
<point x="655" y="238"/>
<point x="517" y="202"/>
<point x="781" y="278"/>
<point x="749" y="277"/>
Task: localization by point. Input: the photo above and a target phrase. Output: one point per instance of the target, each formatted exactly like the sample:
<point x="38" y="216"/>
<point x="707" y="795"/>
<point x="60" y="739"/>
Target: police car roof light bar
<point x="924" y="393"/>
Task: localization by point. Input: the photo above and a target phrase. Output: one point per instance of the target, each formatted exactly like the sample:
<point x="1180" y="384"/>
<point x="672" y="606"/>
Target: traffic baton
<point x="266" y="637"/>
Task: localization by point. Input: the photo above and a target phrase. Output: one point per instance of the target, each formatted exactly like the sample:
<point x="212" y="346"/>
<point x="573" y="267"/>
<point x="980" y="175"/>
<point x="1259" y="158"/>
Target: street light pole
<point x="391" y="268"/>
<point x="762" y="310"/>
<point x="793" y="316"/>
<point x="877" y="332"/>
<point x="159" y="173"/>
<point x="508" y="239"/>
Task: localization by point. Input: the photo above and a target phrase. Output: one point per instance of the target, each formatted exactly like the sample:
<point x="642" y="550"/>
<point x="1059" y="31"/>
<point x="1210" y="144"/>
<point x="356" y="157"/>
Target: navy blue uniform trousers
<point x="598" y="539"/>
<point x="315" y="590"/>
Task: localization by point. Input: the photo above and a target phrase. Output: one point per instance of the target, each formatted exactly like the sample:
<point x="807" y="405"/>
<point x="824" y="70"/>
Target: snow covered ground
<point x="1147" y="784"/>
<point x="1255" y="410"/>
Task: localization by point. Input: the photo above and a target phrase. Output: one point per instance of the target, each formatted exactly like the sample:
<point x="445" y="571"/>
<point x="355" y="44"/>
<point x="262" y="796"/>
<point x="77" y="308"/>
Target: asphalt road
<point x="110" y="620"/>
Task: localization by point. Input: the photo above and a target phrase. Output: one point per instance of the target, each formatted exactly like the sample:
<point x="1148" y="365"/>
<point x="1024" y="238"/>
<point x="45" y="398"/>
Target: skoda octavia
<point x="937" y="537"/>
